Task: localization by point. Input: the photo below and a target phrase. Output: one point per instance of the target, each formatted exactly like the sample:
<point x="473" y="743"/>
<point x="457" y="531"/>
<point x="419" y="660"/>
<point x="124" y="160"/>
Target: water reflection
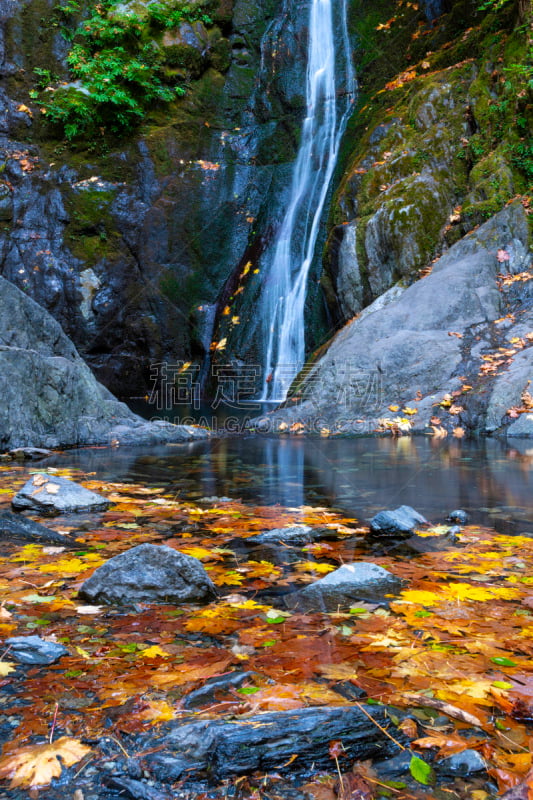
<point x="489" y="478"/>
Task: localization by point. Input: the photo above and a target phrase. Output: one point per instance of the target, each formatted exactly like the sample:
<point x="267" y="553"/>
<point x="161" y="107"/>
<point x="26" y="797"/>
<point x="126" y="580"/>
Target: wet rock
<point x="149" y="574"/>
<point x="403" y="520"/>
<point x="462" y="764"/>
<point x="29" y="453"/>
<point x="49" y="495"/>
<point x="34" y="650"/>
<point x="296" y="534"/>
<point x="348" y="583"/>
<point x="15" y="526"/>
<point x="395" y="766"/>
<point x="458" y="516"/>
<point x="137" y="790"/>
<point x="220" y="683"/>
<point x="267" y="741"/>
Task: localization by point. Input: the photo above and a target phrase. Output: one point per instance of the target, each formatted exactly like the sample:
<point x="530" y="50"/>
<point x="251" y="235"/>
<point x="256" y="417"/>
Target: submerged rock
<point x="149" y="573"/>
<point x="401" y="521"/>
<point x="49" y="495"/>
<point x="16" y="526"/>
<point x="342" y="587"/>
<point x="34" y="650"/>
<point x="295" y="534"/>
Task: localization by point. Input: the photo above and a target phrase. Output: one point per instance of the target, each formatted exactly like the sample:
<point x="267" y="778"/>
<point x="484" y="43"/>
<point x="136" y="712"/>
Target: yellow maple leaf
<point x="154" y="652"/>
<point x="421" y="597"/>
<point x="156" y="711"/>
<point x="200" y="552"/>
<point x="37" y="764"/>
<point x="314" y="566"/>
<point x="394" y="408"/>
<point x="6" y="667"/>
<point x="409" y="411"/>
<point x="465" y="591"/>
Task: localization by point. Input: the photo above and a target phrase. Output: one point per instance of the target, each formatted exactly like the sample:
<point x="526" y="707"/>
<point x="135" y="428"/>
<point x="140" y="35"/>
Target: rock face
<point x="51" y="398"/>
<point x="344" y="586"/>
<point x="34" y="650"/>
<point x="415" y="351"/>
<point x="401" y="521"/>
<point x="149" y="574"/>
<point x="49" y="495"/>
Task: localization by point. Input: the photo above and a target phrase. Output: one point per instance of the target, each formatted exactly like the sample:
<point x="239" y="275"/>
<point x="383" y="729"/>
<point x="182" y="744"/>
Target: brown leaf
<point x="37" y="764"/>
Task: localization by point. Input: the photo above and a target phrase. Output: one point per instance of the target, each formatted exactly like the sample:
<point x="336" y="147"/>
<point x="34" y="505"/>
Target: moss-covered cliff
<point x="440" y="142"/>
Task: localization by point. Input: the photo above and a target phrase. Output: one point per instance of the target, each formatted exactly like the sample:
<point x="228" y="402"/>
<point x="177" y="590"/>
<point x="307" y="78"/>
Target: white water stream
<point x="330" y="94"/>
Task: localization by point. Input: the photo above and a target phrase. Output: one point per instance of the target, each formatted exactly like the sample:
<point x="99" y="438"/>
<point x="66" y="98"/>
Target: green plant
<point x="117" y="68"/>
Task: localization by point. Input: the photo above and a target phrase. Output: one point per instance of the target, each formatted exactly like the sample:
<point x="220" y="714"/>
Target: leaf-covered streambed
<point x="452" y="652"/>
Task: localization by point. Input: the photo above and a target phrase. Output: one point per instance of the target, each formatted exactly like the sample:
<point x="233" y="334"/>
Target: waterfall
<point x="330" y="89"/>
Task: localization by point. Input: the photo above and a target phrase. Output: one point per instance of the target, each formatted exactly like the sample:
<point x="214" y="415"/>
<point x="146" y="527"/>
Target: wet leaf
<point x="37" y="765"/>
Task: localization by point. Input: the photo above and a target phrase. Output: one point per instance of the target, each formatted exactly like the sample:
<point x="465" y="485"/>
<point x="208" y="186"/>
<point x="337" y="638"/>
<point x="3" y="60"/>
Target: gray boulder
<point x="50" y="396"/>
<point x="413" y="350"/>
<point x="149" y="574"/>
<point x="344" y="586"/>
<point x="403" y="520"/>
<point x="47" y="494"/>
<point x="34" y="650"/>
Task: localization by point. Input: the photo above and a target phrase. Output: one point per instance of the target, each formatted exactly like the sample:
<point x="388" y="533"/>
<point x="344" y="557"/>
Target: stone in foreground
<point x="34" y="650"/>
<point x="458" y="516"/>
<point x="149" y="573"/>
<point x="49" y="495"/>
<point x="16" y="526"/>
<point x="344" y="586"/>
<point x="403" y="520"/>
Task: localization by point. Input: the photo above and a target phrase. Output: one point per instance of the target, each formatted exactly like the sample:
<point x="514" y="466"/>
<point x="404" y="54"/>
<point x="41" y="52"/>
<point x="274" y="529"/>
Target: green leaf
<point x="248" y="689"/>
<point x="421" y="771"/>
<point x="504" y="662"/>
<point x="423" y="613"/>
<point x="500" y="726"/>
<point x="359" y="611"/>
<point x="269" y="643"/>
<point x="502" y="685"/>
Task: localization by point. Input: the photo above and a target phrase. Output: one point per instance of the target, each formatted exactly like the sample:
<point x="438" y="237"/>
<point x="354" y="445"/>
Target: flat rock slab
<point x="344" y="586"/>
<point x="295" y="534"/>
<point x="149" y="573"/>
<point x="400" y="522"/>
<point x="15" y="526"/>
<point x="29" y="453"/>
<point x="50" y="495"/>
<point x="269" y="742"/>
<point x="34" y="650"/>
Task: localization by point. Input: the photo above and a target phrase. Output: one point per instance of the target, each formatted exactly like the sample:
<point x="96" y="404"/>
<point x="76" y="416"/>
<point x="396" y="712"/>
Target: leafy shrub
<point x="117" y="70"/>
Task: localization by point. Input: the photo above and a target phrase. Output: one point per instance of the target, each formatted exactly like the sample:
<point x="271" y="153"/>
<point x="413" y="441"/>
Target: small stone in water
<point x="458" y="516"/>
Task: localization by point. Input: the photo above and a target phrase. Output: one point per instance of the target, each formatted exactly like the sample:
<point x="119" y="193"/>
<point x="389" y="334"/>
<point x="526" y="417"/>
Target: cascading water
<point x="330" y="89"/>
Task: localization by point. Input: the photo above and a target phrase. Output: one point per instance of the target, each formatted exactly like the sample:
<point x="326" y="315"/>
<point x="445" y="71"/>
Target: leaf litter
<point x="455" y="647"/>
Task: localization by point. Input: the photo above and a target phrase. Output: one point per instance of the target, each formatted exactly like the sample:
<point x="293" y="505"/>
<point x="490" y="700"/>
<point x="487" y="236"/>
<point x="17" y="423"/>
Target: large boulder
<point x="49" y="495"/>
<point x="149" y="574"/>
<point x="347" y="584"/>
<point x="415" y="349"/>
<point x="50" y="397"/>
<point x="400" y="522"/>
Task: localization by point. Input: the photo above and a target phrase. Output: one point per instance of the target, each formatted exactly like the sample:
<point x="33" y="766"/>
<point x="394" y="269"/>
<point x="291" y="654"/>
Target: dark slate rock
<point x="149" y="573"/>
<point x="458" y="516"/>
<point x="43" y="498"/>
<point x="344" y="586"/>
<point x="462" y="764"/>
<point x="34" y="650"/>
<point x="15" y="526"/>
<point x="220" y="683"/>
<point x="401" y="521"/>
<point x="267" y="741"/>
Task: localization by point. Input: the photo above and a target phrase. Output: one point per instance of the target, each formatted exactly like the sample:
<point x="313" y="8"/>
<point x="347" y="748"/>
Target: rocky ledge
<point x="451" y="352"/>
<point x="50" y="396"/>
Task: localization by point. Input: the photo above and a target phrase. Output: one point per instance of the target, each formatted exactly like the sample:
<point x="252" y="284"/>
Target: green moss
<point x="91" y="233"/>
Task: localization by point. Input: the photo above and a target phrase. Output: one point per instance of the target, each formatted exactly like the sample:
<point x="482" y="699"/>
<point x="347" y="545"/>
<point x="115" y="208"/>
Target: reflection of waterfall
<point x="284" y="480"/>
<point x="330" y="87"/>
